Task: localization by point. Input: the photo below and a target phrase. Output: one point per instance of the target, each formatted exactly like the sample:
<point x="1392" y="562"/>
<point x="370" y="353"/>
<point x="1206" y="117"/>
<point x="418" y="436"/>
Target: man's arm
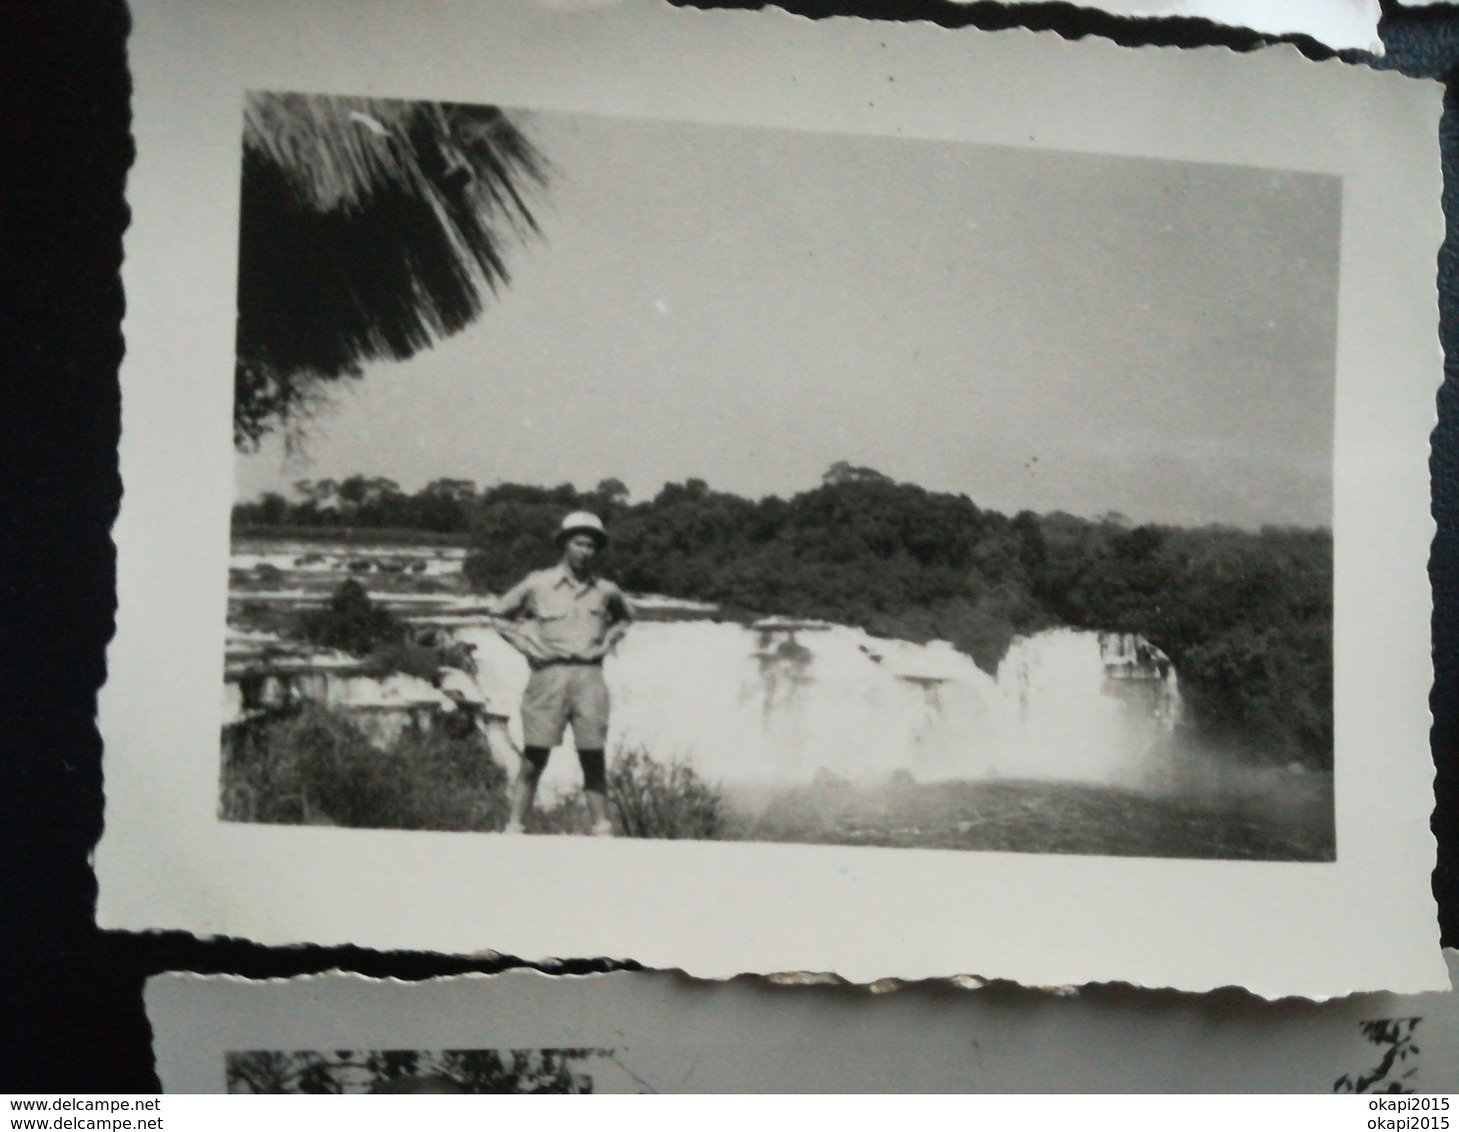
<point x="505" y="611"/>
<point x="622" y="615"/>
<point x="513" y="602"/>
<point x="620" y="618"/>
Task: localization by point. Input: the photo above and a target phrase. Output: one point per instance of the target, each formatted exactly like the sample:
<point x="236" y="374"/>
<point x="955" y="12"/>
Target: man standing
<point x="565" y="620"/>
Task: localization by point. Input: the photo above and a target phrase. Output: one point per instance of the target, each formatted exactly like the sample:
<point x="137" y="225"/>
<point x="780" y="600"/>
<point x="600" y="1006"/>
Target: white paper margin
<point x="1366" y="922"/>
<point x="680" y="1035"/>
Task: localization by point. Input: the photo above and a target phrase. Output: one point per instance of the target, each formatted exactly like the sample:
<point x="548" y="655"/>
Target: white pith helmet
<point x="582" y="523"/>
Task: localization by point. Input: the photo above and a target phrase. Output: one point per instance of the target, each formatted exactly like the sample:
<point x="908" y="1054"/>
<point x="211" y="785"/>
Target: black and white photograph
<point x="784" y="498"/>
<point x="419" y="1071"/>
<point x="654" y="1032"/>
<point x="616" y="477"/>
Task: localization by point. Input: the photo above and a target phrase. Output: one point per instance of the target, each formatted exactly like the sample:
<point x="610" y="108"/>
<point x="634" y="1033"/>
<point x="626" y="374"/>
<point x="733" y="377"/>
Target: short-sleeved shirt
<point x="567" y="616"/>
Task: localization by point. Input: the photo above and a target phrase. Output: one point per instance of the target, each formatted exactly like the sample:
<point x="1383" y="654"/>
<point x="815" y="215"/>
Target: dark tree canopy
<point x="369" y="229"/>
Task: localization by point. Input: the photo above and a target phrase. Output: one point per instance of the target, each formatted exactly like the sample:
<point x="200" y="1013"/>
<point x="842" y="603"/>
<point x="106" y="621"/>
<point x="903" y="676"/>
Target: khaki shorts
<point x="560" y="694"/>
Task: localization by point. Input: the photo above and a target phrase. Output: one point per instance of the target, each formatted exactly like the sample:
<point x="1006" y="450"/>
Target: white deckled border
<point x="1366" y="922"/>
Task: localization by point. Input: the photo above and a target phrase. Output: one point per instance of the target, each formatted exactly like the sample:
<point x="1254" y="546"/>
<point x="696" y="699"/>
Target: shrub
<point x="663" y="800"/>
<point x="317" y="767"/>
<point x="567" y="814"/>
<point x="351" y="622"/>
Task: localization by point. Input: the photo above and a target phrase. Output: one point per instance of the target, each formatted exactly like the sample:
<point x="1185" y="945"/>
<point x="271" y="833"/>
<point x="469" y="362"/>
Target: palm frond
<point x="370" y="228"/>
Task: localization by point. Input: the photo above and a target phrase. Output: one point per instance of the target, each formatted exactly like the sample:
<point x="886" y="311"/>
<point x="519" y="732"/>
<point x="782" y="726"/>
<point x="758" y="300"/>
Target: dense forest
<point x="1246" y="616"/>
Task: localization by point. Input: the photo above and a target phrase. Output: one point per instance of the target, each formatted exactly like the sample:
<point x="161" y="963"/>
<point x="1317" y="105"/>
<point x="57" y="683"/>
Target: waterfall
<point x="1085" y="706"/>
<point x="782" y="702"/>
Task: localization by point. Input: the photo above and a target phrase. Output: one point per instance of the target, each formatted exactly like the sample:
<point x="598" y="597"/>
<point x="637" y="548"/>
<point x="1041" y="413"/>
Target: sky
<point x="1035" y="329"/>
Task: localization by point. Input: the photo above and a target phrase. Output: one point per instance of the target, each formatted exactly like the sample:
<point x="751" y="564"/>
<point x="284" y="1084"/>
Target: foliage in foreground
<point x="369" y="229"/>
<point x="408" y="1071"/>
<point x="318" y="767"/>
<point x="665" y="800"/>
<point x="649" y="798"/>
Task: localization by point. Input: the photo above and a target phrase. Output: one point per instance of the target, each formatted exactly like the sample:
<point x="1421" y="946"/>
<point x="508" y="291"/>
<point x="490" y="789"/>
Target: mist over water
<point x="1086" y="707"/>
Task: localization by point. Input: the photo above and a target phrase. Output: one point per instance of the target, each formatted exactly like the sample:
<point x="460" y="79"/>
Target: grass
<point x="1021" y="816"/>
<point x="318" y="767"/>
<point x="665" y="800"/>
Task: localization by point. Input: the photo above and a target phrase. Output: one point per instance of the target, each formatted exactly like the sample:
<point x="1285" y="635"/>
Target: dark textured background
<point x="71" y="1016"/>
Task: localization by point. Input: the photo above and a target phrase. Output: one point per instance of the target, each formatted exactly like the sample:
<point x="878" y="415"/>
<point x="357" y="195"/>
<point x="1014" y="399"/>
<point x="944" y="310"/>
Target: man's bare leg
<point x="595" y="791"/>
<point x="598" y="812"/>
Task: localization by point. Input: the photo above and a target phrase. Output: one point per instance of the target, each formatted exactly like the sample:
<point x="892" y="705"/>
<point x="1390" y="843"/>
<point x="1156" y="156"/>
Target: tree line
<point x="1246" y="616"/>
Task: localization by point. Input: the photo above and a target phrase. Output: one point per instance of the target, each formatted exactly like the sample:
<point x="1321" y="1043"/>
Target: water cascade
<point x="1085" y="706"/>
<point x="802" y="699"/>
<point x="784" y="701"/>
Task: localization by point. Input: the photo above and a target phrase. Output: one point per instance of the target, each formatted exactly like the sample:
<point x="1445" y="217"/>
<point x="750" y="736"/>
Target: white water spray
<point x="1085" y="706"/>
<point x="784" y="701"/>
